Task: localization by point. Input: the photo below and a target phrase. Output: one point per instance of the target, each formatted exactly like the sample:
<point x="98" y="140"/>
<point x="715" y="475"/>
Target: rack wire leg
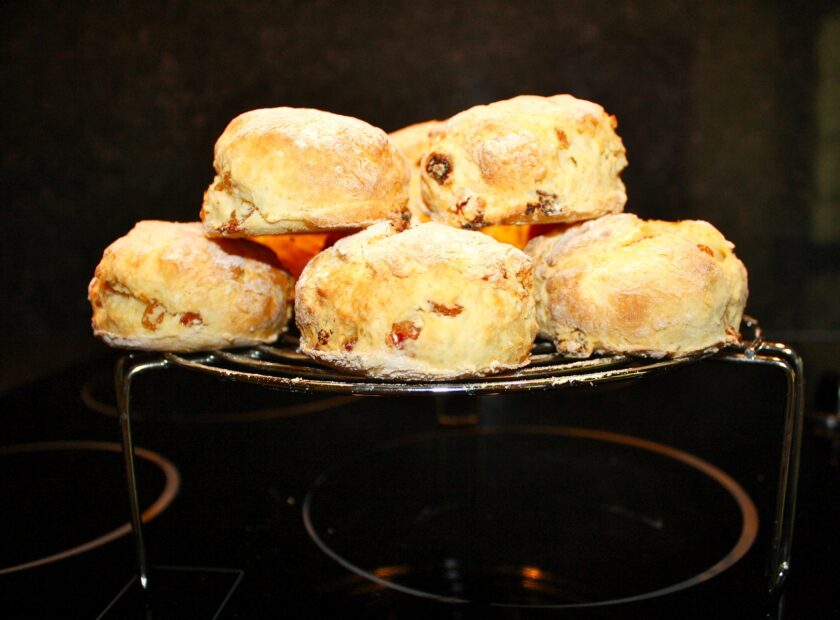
<point x="786" y="359"/>
<point x="789" y="474"/>
<point x="126" y="369"/>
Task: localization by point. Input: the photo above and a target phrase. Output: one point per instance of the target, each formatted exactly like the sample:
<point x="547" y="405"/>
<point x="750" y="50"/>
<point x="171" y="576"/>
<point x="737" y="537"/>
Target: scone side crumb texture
<point x="619" y="284"/>
<point x="165" y="286"/>
<point x="285" y="170"/>
<point x="529" y="159"/>
<point x="432" y="302"/>
<point x="413" y="141"/>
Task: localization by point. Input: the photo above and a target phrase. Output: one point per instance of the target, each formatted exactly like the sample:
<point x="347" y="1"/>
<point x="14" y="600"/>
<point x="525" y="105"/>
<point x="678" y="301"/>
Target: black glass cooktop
<point x="653" y="498"/>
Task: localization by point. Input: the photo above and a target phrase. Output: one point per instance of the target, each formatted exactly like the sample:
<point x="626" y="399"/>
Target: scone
<point x="286" y="170"/>
<point x="432" y="302"/>
<point x="164" y="286"/>
<point x="619" y="284"/>
<point x="414" y="141"/>
<point x="529" y="159"/>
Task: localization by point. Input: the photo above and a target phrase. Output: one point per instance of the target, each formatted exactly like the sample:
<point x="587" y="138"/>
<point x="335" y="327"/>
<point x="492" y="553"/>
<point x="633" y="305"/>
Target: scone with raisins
<point x="524" y="160"/>
<point x="164" y="286"/>
<point x="431" y="302"/>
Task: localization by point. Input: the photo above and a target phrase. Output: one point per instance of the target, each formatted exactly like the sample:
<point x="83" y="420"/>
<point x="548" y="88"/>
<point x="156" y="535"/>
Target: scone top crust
<point x="619" y="284"/>
<point x="431" y="302"/>
<point x="165" y="286"/>
<point x="529" y="159"/>
<point x="285" y="170"/>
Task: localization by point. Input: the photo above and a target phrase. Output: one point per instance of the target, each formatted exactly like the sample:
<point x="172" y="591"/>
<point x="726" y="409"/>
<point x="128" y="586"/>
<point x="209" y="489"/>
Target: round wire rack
<point x="282" y="366"/>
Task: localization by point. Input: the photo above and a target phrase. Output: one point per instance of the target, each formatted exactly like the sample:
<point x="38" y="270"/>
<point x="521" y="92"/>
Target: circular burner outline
<point x="170" y="490"/>
<point x="749" y="516"/>
<point x="257" y="415"/>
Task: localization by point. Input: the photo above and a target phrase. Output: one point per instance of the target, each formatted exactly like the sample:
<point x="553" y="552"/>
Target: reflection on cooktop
<point x="531" y="517"/>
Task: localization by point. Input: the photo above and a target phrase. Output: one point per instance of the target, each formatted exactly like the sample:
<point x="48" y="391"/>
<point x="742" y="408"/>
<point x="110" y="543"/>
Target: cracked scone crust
<point x="166" y="287"/>
<point x="529" y="159"/>
<point x="619" y="284"/>
<point x="432" y="302"/>
<point x="287" y="170"/>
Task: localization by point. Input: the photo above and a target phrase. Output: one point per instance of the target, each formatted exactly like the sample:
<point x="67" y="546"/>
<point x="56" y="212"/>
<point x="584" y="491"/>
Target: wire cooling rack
<point x="282" y="366"/>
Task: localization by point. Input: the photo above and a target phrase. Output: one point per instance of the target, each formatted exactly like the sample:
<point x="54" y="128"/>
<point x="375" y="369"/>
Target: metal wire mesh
<point x="282" y="366"/>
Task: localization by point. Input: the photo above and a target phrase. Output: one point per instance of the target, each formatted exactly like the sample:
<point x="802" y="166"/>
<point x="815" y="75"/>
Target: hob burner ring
<point x="168" y="493"/>
<point x="455" y="518"/>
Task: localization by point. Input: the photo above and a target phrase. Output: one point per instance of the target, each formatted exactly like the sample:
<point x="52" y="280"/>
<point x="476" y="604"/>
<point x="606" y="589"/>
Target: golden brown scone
<point x="286" y="170"/>
<point x="529" y="159"/>
<point x="413" y="141"/>
<point x="432" y="302"/>
<point x="619" y="284"/>
<point x="165" y="287"/>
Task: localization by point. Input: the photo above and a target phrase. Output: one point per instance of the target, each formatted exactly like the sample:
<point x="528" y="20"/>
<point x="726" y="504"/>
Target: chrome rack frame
<point x="281" y="366"/>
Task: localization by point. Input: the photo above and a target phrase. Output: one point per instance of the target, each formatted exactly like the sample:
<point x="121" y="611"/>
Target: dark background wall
<point x="110" y="111"/>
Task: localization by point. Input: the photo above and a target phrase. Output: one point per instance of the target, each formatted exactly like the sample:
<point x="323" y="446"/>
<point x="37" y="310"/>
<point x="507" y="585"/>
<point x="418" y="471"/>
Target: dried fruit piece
<point x="439" y="167"/>
<point x="447" y="310"/>
<point x="402" y="331"/>
<point x="323" y="337"/>
<point x="191" y="318"/>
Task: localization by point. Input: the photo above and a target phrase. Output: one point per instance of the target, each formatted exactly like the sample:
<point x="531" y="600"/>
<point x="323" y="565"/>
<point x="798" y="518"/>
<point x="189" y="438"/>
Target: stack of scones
<point x="417" y="292"/>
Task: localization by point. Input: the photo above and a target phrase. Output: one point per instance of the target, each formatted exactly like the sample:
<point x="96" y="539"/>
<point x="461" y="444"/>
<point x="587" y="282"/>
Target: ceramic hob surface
<point x="651" y="498"/>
